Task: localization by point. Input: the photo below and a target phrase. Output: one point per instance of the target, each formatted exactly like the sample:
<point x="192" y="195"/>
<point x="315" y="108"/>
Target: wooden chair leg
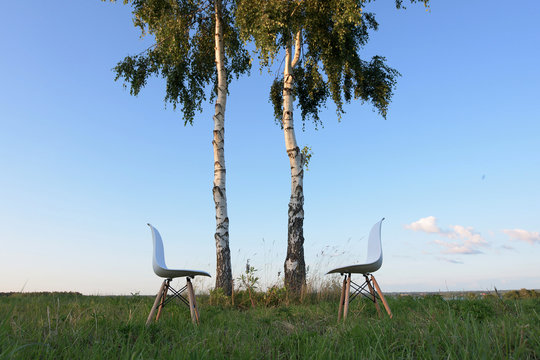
<point x="347" y="293"/>
<point x="163" y="298"/>
<point x="382" y="296"/>
<point x="192" y="303"/>
<point x="156" y="302"/>
<point x="195" y="306"/>
<point x="373" y="294"/>
<point x="342" y="297"/>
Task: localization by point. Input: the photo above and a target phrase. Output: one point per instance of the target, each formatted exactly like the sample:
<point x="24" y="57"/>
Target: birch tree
<point x="197" y="51"/>
<point x="320" y="43"/>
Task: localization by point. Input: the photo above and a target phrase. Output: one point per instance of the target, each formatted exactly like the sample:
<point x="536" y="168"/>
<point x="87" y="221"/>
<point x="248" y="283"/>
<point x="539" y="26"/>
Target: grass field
<point x="71" y="326"/>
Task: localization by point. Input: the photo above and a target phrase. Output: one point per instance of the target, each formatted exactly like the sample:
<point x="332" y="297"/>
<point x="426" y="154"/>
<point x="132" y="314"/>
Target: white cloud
<point x="523" y="235"/>
<point x="427" y="224"/>
<point x="463" y="240"/>
<point x="463" y="248"/>
<point x="452" y="261"/>
<point x="468" y="234"/>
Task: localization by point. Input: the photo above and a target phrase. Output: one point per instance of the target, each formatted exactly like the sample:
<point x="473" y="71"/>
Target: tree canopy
<point x="332" y="34"/>
<point x="183" y="53"/>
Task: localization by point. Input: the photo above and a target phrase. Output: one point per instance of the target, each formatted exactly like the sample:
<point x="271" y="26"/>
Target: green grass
<point x="70" y="326"/>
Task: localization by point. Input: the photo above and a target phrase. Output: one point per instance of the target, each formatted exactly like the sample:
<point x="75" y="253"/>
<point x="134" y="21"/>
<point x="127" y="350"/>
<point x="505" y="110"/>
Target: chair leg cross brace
<point x="177" y="294"/>
<point x="162" y="299"/>
<point x="372" y="294"/>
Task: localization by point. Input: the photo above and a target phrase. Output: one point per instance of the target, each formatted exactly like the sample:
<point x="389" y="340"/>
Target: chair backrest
<point x="374" y="254"/>
<point x="158" y="258"/>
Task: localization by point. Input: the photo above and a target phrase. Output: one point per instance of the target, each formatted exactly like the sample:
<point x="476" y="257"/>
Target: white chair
<point x="161" y="270"/>
<point x="373" y="263"/>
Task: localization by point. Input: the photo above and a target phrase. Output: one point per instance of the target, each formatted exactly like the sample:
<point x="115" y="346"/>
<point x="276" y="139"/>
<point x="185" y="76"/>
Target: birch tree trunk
<point x="223" y="254"/>
<point x="295" y="266"/>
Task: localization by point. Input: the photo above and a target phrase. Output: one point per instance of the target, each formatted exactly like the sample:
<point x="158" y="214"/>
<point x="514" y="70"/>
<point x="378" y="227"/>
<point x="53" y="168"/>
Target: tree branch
<point x="297" y="48"/>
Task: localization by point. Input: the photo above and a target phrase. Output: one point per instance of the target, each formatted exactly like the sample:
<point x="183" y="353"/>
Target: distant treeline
<point x="521" y="294"/>
<point x="42" y="293"/>
<point x="271" y="293"/>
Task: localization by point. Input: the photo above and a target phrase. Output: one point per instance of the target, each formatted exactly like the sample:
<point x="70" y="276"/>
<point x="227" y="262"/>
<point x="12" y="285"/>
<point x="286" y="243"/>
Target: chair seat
<point x="174" y="273"/>
<point x="357" y="269"/>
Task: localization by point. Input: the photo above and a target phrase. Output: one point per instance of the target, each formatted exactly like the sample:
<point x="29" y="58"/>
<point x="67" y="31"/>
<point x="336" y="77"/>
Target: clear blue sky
<point x="454" y="169"/>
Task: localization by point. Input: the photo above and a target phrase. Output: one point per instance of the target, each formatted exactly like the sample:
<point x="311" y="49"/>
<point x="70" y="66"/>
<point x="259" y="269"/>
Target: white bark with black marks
<point x="294" y="267"/>
<point x="223" y="254"/>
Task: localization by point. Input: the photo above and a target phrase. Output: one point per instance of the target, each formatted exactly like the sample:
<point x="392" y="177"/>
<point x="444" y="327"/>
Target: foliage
<point x="57" y="326"/>
<point x="333" y="33"/>
<point x="309" y="89"/>
<point x="521" y="294"/>
<point x="276" y="296"/>
<point x="249" y="281"/>
<point x="247" y="295"/>
<point x="306" y="156"/>
<point x="183" y="53"/>
<point x="218" y="298"/>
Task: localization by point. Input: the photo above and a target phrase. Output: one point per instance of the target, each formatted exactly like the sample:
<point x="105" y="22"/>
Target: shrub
<point x="276" y="296"/>
<point x="521" y="294"/>
<point x="218" y="298"/>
